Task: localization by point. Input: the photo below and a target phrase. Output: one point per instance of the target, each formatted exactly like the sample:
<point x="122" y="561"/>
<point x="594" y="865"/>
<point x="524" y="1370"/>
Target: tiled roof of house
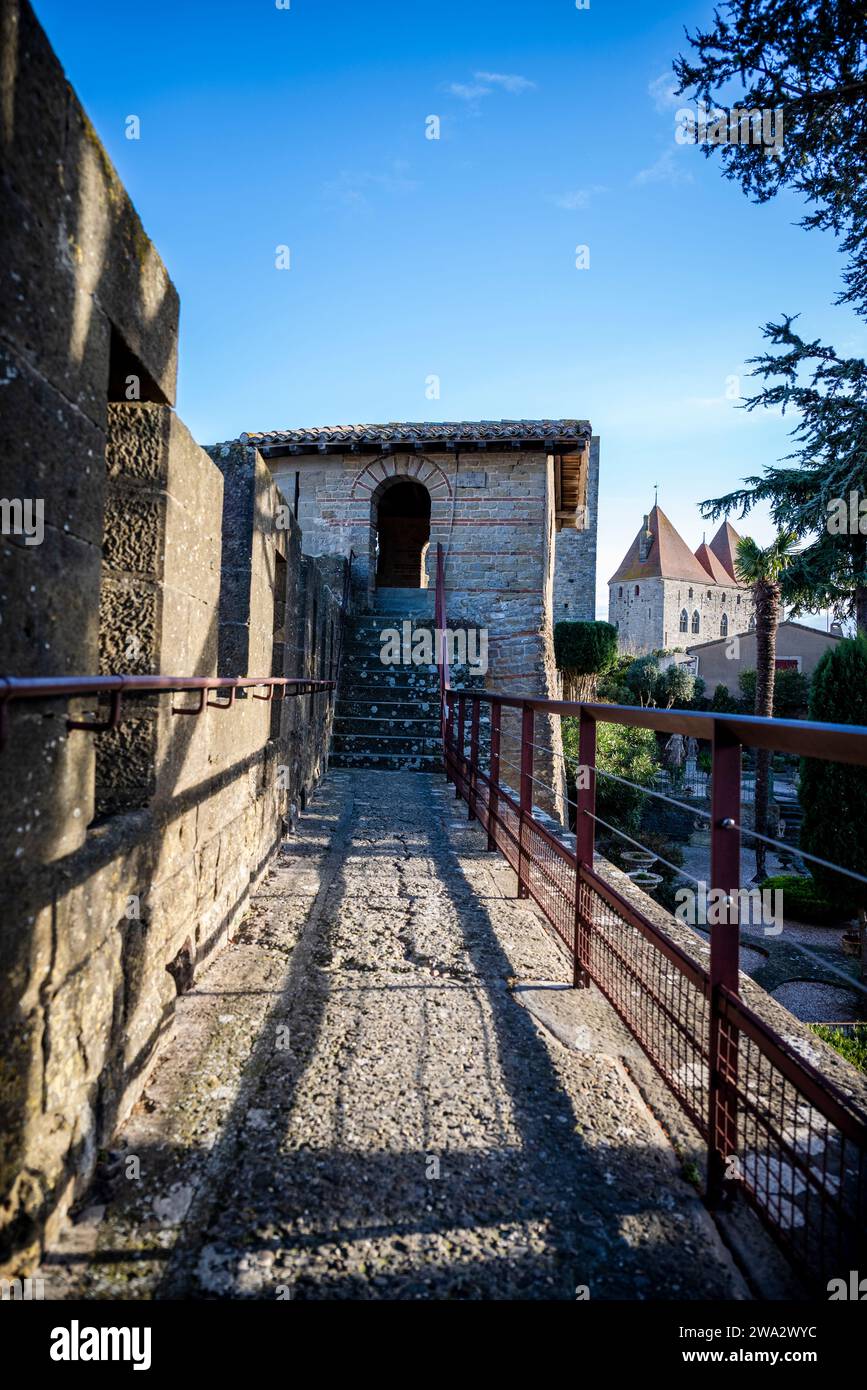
<point x="560" y="434"/>
<point x="667" y="555"/>
<point x="787" y="623"/>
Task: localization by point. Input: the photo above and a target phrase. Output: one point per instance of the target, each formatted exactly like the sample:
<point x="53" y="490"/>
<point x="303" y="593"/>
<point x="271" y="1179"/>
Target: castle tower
<point x="663" y="595"/>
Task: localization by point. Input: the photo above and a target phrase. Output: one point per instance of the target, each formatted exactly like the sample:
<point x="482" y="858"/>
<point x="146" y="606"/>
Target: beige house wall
<point x="720" y="663"/>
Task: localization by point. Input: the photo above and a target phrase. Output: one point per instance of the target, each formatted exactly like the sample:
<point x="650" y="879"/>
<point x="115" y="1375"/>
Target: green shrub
<point x="723" y="702"/>
<point x="675" y="687"/>
<point x="611" y="686"/>
<point x="852" y="1046"/>
<point x="806" y="901"/>
<point x="747" y="687"/>
<point x="791" y="694"/>
<point x="627" y="752"/>
<point x="834" y="795"/>
<point x="642" y="678"/>
<point x="583" y="651"/>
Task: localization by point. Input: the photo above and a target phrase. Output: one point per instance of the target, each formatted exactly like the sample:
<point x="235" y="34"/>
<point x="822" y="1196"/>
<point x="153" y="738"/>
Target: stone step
<point x="389" y="694"/>
<point x="386" y="743"/>
<point x="373" y="726"/>
<point x="366" y="668"/>
<point x="405" y="601"/>
<point x="387" y="762"/>
<point x="387" y="690"/>
<point x="356" y="707"/>
<point x="377" y="622"/>
<point x="363" y="659"/>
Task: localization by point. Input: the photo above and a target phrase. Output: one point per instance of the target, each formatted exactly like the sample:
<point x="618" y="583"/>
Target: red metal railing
<point x="776" y="1129"/>
<point x="118" y="688"/>
<point x="344" y="611"/>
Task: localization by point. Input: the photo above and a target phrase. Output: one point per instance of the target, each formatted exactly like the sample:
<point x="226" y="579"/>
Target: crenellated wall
<point x="128" y="857"/>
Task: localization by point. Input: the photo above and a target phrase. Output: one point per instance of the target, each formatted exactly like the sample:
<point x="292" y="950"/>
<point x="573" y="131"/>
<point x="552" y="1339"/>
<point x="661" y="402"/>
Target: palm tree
<point x="763" y="569"/>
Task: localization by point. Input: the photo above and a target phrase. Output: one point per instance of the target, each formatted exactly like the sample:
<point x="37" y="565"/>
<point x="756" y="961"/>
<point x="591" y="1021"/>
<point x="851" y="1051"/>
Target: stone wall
<point x="575" y="556"/>
<point x="720" y="663"/>
<point x="650" y="620"/>
<point x="492" y="511"/>
<point x="129" y="857"/>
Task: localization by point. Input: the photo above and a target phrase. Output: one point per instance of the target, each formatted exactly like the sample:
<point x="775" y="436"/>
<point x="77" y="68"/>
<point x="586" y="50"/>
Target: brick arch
<point x="412" y="467"/>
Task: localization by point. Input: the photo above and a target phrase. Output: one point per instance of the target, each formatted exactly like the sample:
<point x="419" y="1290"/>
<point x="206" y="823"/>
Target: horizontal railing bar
<point x="843" y="743"/>
<point x="820" y="1091"/>
<point x="45" y="687"/>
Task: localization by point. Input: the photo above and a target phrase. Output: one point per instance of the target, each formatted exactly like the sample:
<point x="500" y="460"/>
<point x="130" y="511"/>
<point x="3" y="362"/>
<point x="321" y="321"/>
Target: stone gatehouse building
<point x="664" y="595"/>
<point x="513" y="503"/>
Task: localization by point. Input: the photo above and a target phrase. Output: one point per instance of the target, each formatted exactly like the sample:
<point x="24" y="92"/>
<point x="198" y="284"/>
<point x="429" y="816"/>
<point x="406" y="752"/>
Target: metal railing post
<point x="725" y="873"/>
<point x="526" y="812"/>
<point x="474" y="759"/>
<point x="494" y="774"/>
<point x="461" y="768"/>
<point x="453" y="714"/>
<point x="585" y="843"/>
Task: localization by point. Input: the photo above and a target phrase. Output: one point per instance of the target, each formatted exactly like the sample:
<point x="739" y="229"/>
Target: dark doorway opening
<point x="403" y="533"/>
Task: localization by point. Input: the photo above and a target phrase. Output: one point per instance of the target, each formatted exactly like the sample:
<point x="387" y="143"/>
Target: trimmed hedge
<point x="805" y="900"/>
<point x="585" y="648"/>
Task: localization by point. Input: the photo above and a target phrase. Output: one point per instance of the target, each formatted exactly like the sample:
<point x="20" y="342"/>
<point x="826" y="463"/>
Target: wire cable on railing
<point x="803" y="854"/>
<point x="648" y="791"/>
<point x="682" y="873"/>
<point x="546" y="787"/>
<point x="699" y="811"/>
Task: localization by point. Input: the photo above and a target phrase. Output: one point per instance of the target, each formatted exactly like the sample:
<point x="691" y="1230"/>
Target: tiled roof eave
<point x="558" y="436"/>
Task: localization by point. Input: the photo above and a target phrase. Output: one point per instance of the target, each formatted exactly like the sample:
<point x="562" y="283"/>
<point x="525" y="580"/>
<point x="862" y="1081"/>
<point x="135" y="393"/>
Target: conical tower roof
<point x="714" y="567"/>
<point x="659" y="552"/>
<point x="724" y="546"/>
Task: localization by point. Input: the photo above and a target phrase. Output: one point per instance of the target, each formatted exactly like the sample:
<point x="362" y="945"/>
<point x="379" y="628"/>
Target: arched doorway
<point x="402" y="535"/>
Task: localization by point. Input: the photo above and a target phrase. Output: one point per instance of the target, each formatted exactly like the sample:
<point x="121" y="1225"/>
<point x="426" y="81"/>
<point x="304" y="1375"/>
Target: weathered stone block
<point x="51" y="451"/>
<point x="117" y="263"/>
<point x="129" y="625"/>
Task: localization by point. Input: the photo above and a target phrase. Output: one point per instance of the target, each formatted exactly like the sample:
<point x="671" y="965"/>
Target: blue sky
<point x="264" y="127"/>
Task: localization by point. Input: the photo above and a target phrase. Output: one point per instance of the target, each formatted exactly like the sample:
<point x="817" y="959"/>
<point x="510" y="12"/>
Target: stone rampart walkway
<point x="360" y="1099"/>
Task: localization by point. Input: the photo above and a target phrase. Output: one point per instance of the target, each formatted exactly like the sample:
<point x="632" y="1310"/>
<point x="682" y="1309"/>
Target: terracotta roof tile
<point x="668" y="556"/>
<point x="709" y="561"/>
<point x="397" y="432"/>
<point x="724" y="546"/>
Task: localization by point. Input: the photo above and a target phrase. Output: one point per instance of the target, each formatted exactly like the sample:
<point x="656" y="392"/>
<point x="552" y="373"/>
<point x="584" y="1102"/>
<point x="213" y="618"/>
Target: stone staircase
<point x="387" y="716"/>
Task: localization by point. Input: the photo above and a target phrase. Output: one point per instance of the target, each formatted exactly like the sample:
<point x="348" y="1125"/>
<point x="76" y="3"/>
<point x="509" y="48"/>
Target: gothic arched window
<point x="636" y="591"/>
<point x="684" y="620"/>
<point x="724" y="625"/>
<point x="696" y="621"/>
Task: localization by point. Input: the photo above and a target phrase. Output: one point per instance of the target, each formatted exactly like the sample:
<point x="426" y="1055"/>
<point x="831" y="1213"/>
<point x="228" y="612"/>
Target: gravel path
<point x="382" y="1090"/>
